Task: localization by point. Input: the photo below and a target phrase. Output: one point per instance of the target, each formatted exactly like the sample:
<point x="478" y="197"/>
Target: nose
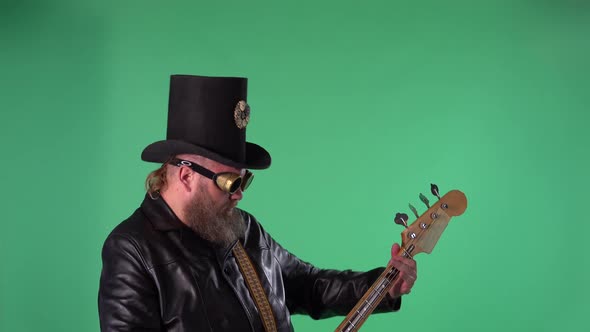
<point x="237" y="195"/>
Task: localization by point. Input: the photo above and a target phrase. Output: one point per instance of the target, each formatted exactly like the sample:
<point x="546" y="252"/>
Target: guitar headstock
<point x="423" y="234"/>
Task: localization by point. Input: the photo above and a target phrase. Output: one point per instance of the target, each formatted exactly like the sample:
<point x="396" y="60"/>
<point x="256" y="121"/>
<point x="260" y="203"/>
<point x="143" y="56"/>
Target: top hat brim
<point x="161" y="151"/>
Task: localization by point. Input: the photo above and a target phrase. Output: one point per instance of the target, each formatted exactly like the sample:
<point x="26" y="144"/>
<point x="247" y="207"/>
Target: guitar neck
<point x="372" y="297"/>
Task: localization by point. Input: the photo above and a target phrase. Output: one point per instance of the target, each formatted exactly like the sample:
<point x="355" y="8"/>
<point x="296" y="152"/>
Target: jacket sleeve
<point x="127" y="299"/>
<point x="323" y="293"/>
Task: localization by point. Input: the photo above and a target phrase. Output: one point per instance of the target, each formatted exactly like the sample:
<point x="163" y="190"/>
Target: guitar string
<point x="389" y="277"/>
<point x="377" y="291"/>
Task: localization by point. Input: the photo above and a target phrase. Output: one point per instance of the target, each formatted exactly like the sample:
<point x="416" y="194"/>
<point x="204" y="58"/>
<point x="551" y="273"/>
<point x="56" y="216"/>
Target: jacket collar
<point x="160" y="214"/>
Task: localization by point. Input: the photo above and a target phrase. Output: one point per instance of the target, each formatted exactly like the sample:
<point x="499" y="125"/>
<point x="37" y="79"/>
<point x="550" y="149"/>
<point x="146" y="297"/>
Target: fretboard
<point x="374" y="295"/>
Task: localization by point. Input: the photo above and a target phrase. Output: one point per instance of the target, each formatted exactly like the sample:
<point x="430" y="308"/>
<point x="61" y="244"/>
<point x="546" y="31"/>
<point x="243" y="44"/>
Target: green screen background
<point x="361" y="105"/>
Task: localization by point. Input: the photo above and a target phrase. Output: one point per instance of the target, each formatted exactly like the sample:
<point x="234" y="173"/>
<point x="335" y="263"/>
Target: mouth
<point x="230" y="208"/>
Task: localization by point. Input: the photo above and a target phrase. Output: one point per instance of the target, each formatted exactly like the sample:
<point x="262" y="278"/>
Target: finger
<point x="409" y="278"/>
<point x="406" y="272"/>
<point x="404" y="265"/>
<point x="405" y="288"/>
<point x="406" y="261"/>
<point x="405" y="285"/>
<point x="395" y="290"/>
<point x="400" y="287"/>
<point x="395" y="254"/>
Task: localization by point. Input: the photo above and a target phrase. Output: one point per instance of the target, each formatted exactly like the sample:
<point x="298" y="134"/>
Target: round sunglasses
<point x="228" y="182"/>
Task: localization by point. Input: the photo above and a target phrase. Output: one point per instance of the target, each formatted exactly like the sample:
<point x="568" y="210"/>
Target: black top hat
<point x="208" y="116"/>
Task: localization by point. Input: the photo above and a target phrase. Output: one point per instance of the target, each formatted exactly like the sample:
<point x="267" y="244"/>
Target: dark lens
<point x="246" y="180"/>
<point x="235" y="185"/>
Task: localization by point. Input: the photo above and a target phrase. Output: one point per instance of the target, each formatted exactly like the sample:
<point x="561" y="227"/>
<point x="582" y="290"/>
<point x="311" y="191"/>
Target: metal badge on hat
<point x="242" y="114"/>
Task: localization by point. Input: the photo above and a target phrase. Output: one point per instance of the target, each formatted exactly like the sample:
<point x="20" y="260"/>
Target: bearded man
<point x="189" y="260"/>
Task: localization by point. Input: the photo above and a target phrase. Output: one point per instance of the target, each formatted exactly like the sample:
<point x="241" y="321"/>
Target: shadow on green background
<point x="361" y="108"/>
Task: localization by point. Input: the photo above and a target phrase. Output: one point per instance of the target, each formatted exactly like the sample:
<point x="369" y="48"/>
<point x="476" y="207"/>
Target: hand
<point x="408" y="274"/>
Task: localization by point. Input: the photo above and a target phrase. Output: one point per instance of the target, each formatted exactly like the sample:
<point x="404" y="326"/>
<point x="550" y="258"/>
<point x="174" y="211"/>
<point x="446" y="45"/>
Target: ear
<point x="186" y="177"/>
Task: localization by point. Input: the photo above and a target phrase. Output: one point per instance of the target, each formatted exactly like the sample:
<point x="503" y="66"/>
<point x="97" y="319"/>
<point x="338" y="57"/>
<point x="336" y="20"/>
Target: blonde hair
<point x="157" y="180"/>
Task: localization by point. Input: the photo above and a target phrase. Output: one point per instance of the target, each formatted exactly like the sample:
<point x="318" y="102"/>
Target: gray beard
<point x="218" y="226"/>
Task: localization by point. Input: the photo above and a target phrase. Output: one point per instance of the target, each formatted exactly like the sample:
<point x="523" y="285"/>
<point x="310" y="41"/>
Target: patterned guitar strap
<point x="255" y="288"/>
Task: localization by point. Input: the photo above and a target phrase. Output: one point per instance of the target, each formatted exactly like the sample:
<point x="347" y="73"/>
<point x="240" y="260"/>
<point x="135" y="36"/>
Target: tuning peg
<point x="401" y="219"/>
<point x="413" y="210"/>
<point x="434" y="190"/>
<point x="424" y="200"/>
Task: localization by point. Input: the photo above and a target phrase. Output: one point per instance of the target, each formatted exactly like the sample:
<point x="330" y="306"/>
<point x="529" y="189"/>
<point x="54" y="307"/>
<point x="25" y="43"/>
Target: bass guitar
<point x="421" y="236"/>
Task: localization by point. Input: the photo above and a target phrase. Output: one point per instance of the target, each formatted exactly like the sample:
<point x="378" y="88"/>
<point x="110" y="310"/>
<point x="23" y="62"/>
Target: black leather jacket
<point x="158" y="275"/>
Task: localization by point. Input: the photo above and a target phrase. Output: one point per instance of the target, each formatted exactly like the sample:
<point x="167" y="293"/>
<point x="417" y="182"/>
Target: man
<point x="189" y="260"/>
